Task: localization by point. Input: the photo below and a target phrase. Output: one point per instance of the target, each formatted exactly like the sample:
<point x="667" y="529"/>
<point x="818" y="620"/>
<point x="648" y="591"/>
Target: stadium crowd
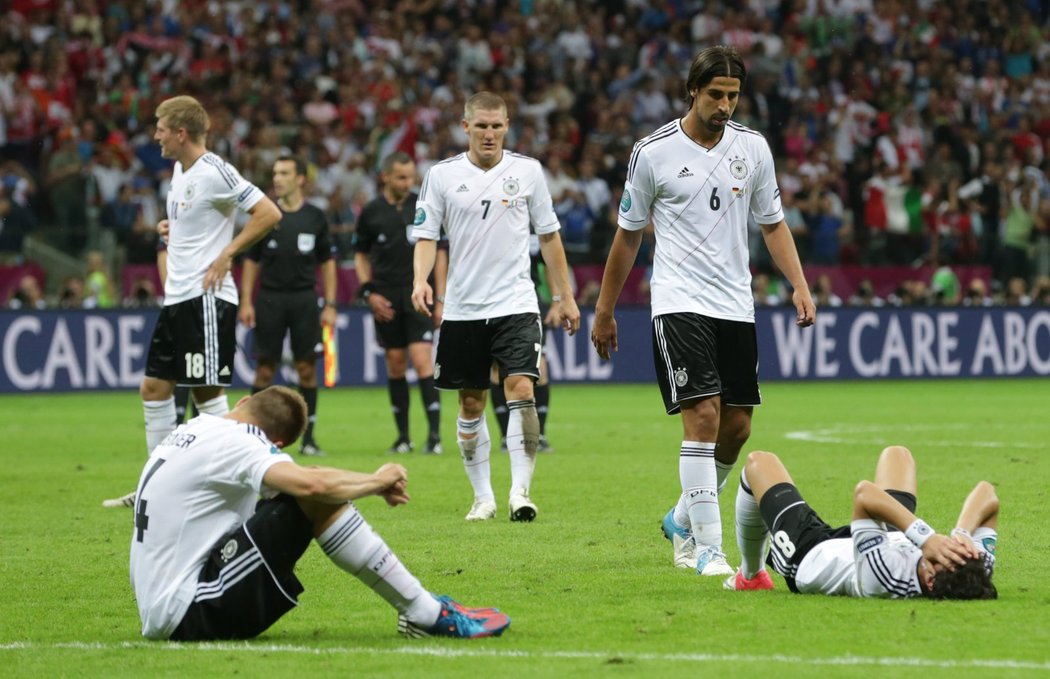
<point x="906" y="132"/>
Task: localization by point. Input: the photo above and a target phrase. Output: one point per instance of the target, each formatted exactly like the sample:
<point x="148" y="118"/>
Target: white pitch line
<point x="449" y="652"/>
<point x="885" y="434"/>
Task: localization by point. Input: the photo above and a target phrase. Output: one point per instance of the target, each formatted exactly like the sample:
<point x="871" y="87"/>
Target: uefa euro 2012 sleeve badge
<point x="511" y="186"/>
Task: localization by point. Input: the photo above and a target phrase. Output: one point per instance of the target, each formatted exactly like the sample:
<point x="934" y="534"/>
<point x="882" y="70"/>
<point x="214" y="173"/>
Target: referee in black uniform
<point x="383" y="259"/>
<point x="288" y="259"/>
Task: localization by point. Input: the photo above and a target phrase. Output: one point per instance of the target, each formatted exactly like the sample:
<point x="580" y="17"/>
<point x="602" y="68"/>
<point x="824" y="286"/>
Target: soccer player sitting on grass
<point x="208" y="562"/>
<point x="886" y="552"/>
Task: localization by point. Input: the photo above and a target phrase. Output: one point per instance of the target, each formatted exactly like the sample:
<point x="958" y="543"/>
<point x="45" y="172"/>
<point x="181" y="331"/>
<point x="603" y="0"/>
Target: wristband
<point x="555" y="298"/>
<point x="961" y="531"/>
<point x="439" y="298"/>
<point x="365" y="290"/>
<point x="919" y="532"/>
<point x="330" y="304"/>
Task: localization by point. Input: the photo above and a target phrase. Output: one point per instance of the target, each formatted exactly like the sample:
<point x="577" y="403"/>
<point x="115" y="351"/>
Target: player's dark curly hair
<point x="969" y="581"/>
<point x="280" y="412"/>
<point x="720" y="61"/>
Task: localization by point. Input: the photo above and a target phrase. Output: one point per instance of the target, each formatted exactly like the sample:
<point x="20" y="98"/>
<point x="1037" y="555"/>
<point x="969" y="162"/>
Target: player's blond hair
<point x="483" y="101"/>
<point x="187" y="113"/>
<point x="280" y="412"/>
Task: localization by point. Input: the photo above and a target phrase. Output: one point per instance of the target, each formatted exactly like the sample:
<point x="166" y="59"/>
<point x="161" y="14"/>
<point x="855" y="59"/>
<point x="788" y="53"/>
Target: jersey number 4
<point x="141" y="518"/>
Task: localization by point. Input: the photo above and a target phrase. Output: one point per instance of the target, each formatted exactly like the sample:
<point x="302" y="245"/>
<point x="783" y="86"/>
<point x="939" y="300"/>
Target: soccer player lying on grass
<point x="207" y="562"/>
<point x="886" y="552"/>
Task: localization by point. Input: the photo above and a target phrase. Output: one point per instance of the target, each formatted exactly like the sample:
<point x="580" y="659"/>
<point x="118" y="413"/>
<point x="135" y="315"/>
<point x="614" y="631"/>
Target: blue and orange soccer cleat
<point x="457" y="621"/>
<point x="681" y="540"/>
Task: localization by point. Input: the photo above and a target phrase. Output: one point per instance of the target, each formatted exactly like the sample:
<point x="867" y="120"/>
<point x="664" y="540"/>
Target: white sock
<point x="160" y="421"/>
<point x="522" y="465"/>
<point x="218" y="406"/>
<point x="352" y="545"/>
<point x="696" y="470"/>
<point x="751" y="533"/>
<point x="722" y="470"/>
<point x="476" y="463"/>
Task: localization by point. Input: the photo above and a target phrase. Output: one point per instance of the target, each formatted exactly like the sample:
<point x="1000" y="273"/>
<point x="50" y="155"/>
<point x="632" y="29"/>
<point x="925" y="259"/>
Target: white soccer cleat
<point x="711" y="561"/>
<point x="684" y="552"/>
<point x="521" y="507"/>
<point x="122" y="501"/>
<point x="482" y="510"/>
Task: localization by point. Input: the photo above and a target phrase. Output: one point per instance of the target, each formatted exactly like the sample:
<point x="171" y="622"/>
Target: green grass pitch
<point x="589" y="585"/>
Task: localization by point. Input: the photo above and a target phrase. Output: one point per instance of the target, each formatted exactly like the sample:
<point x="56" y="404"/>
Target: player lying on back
<point x="886" y="552"/>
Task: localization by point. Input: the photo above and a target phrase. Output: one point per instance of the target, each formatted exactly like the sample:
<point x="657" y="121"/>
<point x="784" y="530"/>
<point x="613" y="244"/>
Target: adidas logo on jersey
<point x="462" y="188"/>
<point x="685" y="173"/>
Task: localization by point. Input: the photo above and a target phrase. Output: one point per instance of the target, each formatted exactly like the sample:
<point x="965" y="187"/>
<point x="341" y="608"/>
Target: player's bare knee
<point x="152" y="389"/>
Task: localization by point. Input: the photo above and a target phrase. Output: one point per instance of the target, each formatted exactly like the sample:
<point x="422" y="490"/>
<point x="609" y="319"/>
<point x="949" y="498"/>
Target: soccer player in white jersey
<point x="194" y="340"/>
<point x="486" y="199"/>
<point x="210" y="561"/>
<point x="698" y="179"/>
<point x="886" y="552"/>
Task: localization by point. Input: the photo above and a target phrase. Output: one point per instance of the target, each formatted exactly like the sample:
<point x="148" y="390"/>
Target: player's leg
<point x="267" y="339"/>
<point x="543" y="404"/>
<point x="420" y="337"/>
<point x="475" y="447"/>
<point x="761" y="472"/>
<point x="738" y="372"/>
<point x="397" y="390"/>
<point x="218" y="347"/>
<point x="182" y="405"/>
<point x="734" y="429"/>
<point x="307" y="371"/>
<point x="698" y="475"/>
<point x="304" y="327"/>
<point x="895" y="471"/>
<point x="499" y="405"/>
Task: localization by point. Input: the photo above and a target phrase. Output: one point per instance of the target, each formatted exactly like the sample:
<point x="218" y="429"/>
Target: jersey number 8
<point x="783" y="543"/>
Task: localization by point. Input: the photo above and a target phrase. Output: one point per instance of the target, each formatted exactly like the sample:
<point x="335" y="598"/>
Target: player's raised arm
<point x="264" y="216"/>
<point x="422" y="264"/>
<point x="336" y="486"/>
<point x="622" y="254"/>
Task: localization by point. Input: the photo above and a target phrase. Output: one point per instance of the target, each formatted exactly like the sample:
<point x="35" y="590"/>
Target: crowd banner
<point x="99" y="350"/>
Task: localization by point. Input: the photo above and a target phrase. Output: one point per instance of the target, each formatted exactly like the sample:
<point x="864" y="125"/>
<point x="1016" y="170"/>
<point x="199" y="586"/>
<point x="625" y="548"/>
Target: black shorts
<point x="408" y="326"/>
<point x="697" y="356"/>
<point x="194" y="343"/>
<point x="279" y="312"/>
<point x="795" y="528"/>
<point x="248" y="581"/>
<point x="467" y="349"/>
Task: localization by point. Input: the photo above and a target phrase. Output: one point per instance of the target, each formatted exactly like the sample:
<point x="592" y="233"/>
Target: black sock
<point x="310" y="396"/>
<point x="398" y="389"/>
<point x="182" y="399"/>
<point x="542" y="393"/>
<point x="431" y="404"/>
<point x="499" y="405"/>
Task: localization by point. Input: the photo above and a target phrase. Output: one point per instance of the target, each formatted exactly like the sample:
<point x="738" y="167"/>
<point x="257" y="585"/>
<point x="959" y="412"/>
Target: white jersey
<point x="873" y="563"/>
<point x="201" y="482"/>
<point x="201" y="210"/>
<point x="486" y="214"/>
<point x="699" y="200"/>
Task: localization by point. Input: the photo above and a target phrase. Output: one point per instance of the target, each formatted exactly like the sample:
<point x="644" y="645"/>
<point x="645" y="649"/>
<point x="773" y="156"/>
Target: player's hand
<point x="423" y="298"/>
<point x="947" y="552"/>
<point x="554" y="317"/>
<point x="163" y="229"/>
<point x="570" y="314"/>
<point x="246" y="314"/>
<point x="807" y="311"/>
<point x="216" y="273"/>
<point x="329" y="316"/>
<point x="603" y="334"/>
<point x="439" y="313"/>
<point x="381" y="307"/>
<point x="394" y="478"/>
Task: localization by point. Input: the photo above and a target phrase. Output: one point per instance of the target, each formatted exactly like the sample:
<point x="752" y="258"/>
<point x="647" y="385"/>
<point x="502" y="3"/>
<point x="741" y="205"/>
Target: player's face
<point x="399" y="180"/>
<point x="285" y="179"/>
<point x="715" y="102"/>
<point x="485" y="131"/>
<point x="167" y="138"/>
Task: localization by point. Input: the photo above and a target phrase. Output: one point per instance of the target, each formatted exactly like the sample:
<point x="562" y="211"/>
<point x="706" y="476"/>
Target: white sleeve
<point x="638" y="192"/>
<point x="230" y="188"/>
<point x="765" y="194"/>
<point x="430" y="207"/>
<point x="882" y="571"/>
<point x="541" y="206"/>
<point x="244" y="460"/>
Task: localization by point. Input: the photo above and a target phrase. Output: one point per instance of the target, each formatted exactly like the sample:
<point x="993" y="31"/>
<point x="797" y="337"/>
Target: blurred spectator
<point x="823" y="294"/>
<point x="977" y="294"/>
<point x="1041" y="291"/>
<point x="99" y="288"/>
<point x="15" y="222"/>
<point x="67" y="193"/>
<point x="764" y="291"/>
<point x="28" y="295"/>
<point x="71" y="294"/>
<point x="1017" y="293"/>
<point x="945" y="287"/>
<point x="142" y="295"/>
<point x="865" y="295"/>
<point x="119" y="215"/>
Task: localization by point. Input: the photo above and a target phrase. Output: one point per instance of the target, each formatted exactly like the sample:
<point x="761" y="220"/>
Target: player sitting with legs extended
<point x="208" y="562"/>
<point x="886" y="552"/>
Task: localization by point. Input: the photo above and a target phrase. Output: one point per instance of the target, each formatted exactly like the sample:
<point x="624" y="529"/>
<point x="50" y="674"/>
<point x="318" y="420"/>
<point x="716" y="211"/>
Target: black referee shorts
<point x="408" y="325"/>
<point x="277" y="313"/>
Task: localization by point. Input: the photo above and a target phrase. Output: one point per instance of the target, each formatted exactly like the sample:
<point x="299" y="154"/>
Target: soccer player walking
<point x="383" y="260"/>
<point x="698" y="179"/>
<point x="194" y="340"/>
<point x="285" y="265"/>
<point x="486" y="199"/>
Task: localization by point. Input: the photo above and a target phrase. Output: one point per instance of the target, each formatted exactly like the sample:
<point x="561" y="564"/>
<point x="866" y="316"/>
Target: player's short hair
<point x="280" y="412"/>
<point x="300" y="164"/>
<point x="719" y="61"/>
<point x="483" y="101"/>
<point x="396" y="158"/>
<point x="969" y="581"/>
<point x="188" y="113"/>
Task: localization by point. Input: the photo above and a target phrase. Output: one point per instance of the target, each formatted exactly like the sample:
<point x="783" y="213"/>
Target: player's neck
<point x="474" y="158"/>
<point x="190" y="154"/>
<point x="292" y="202"/>
<point x="696" y="131"/>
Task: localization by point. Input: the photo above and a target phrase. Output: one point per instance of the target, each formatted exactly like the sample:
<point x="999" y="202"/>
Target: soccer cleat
<point x="122" y="501"/>
<point x="543" y="445"/>
<point x="311" y="449"/>
<point x="482" y="510"/>
<point x="681" y="540"/>
<point x="457" y="621"/>
<point x="711" y="561"/>
<point x="400" y="447"/>
<point x="433" y="446"/>
<point x="521" y="507"/>
<point x="737" y="582"/>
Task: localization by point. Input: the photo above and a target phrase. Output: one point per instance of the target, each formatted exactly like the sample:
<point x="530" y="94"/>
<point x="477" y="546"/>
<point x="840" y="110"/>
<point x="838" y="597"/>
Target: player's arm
<point x="618" y="266"/>
<point x="872" y="502"/>
<point x="782" y="248"/>
<point x="336" y="486"/>
<point x="561" y="288"/>
<point x="381" y="308"/>
<point x="980" y="510"/>
<point x="162" y="267"/>
<point x="423" y="258"/>
<point x="440" y="283"/>
<point x="249" y="274"/>
<point x="328" y="282"/>
<point x="264" y="216"/>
